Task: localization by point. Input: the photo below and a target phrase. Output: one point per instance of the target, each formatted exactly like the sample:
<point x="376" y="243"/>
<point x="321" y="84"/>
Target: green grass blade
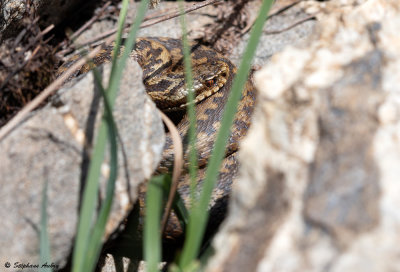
<point x="129" y="44"/>
<point x="44" y="236"/>
<point x="89" y="199"/>
<point x="118" y="38"/>
<point x="199" y="214"/>
<point x="180" y="209"/>
<point x="178" y="204"/>
<point x="95" y="241"/>
<point x="152" y="237"/>
<point x="191" y="108"/>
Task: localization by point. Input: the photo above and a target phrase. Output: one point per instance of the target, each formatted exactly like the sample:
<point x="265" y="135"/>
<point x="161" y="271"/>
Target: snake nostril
<point x="223" y="74"/>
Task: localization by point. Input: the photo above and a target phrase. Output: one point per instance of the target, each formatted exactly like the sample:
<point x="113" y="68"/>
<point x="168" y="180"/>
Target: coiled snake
<point x="163" y="76"/>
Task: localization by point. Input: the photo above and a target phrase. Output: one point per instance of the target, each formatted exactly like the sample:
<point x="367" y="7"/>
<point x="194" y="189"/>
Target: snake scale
<point x="161" y="60"/>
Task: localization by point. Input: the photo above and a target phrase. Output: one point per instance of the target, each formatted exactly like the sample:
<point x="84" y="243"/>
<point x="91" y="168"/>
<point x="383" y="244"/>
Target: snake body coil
<point x="163" y="76"/>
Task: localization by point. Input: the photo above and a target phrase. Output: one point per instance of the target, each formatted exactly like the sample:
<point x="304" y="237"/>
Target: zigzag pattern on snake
<point x="163" y="77"/>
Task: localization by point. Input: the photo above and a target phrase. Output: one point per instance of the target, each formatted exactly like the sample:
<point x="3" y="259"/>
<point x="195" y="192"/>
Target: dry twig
<point x="311" y="17"/>
<point x="22" y="52"/>
<point x="90" y="22"/>
<point x="275" y="10"/>
<point x="154" y="21"/>
<point x="178" y="165"/>
<point x="22" y="114"/>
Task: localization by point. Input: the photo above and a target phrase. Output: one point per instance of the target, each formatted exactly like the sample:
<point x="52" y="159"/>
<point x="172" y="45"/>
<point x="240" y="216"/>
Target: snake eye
<point x="210" y="83"/>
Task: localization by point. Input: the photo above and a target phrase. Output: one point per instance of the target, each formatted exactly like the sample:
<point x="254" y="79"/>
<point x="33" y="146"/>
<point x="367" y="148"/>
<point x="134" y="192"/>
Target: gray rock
<point x="44" y="143"/>
<point x="51" y="12"/>
<point x="49" y="146"/>
<point x="323" y="194"/>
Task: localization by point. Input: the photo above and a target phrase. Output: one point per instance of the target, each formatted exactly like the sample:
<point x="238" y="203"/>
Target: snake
<point x="161" y="59"/>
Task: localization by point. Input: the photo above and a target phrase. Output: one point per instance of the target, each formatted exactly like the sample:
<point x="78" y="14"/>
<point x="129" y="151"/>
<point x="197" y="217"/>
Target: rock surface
<point x="12" y="11"/>
<point x="323" y="193"/>
<point x="45" y="142"/>
<point x="49" y="146"/>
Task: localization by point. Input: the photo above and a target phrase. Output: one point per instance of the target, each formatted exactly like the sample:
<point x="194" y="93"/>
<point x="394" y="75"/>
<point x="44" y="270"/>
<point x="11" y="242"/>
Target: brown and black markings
<point x="163" y="76"/>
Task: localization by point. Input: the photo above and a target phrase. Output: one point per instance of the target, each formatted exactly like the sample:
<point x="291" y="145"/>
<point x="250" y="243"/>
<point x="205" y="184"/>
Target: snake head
<point x="208" y="78"/>
<point x="164" y="76"/>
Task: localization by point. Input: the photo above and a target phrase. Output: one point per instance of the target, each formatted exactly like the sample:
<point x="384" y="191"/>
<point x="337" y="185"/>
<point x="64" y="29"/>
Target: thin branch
<point x="279" y="9"/>
<point x="178" y="13"/>
<point x="67" y="43"/>
<point x="275" y="10"/>
<point x="46" y="30"/>
<point x="311" y="17"/>
<point x="19" y="67"/>
<point x="90" y="22"/>
<point x="178" y="165"/>
<point x="157" y="20"/>
<point x="23" y="113"/>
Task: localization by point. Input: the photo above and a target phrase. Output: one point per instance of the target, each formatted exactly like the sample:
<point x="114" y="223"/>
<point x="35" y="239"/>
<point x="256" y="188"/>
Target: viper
<point x="161" y="60"/>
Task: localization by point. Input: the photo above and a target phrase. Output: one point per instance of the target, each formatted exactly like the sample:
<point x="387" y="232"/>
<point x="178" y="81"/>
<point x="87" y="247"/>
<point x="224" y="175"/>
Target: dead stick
<point x="91" y="21"/>
<point x="161" y="19"/>
<point x="177" y="13"/>
<point x="289" y="27"/>
<point x="176" y="172"/>
<point x="6" y="129"/>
